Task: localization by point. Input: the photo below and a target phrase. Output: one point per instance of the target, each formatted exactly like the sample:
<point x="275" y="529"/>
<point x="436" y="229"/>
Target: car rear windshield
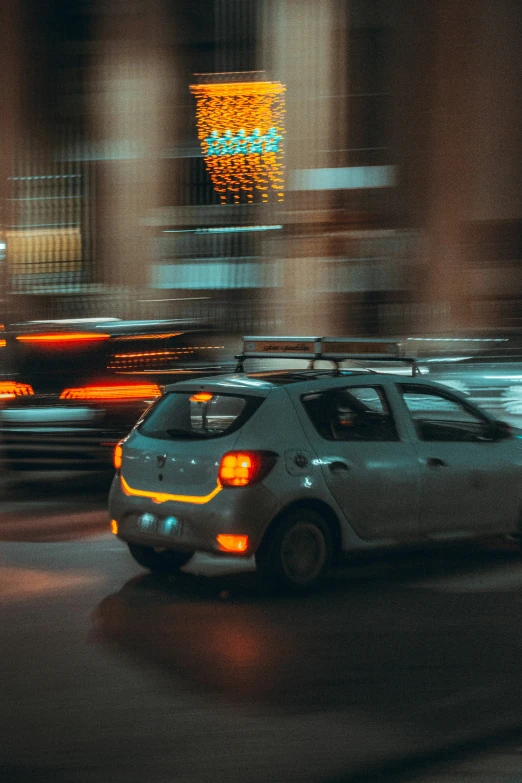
<point x="187" y="415"/>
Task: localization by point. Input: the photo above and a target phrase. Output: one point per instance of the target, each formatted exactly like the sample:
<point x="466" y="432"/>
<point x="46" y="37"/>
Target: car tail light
<point x="138" y="391"/>
<point x="118" y="456"/>
<point x="239" y="468"/>
<point x="229" y="543"/>
<point x="62" y="339"/>
<point x="11" y="389"/>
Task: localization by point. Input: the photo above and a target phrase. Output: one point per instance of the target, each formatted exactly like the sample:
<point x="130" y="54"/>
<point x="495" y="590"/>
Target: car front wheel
<point x="164" y="561"/>
<point x="297" y="551"/>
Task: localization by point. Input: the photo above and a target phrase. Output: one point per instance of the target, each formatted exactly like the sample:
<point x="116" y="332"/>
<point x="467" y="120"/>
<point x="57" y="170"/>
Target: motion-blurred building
<point x="402" y="207"/>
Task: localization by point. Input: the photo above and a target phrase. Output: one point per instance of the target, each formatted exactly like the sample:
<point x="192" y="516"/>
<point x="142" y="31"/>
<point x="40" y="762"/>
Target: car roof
<point x="264" y="382"/>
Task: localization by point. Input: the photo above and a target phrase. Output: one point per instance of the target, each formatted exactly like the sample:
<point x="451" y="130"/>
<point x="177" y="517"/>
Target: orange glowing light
<point x="114" y="527"/>
<point x="231" y="543"/>
<point x="162" y="336"/>
<point x="237" y="469"/>
<point x="11" y="389"/>
<point x="163" y="497"/>
<point x="118" y="456"/>
<point x="65" y="338"/>
<point x="241" y="128"/>
<point x="135" y="391"/>
<point x="142" y="354"/>
<point x="2" y="343"/>
<point x="201" y="397"/>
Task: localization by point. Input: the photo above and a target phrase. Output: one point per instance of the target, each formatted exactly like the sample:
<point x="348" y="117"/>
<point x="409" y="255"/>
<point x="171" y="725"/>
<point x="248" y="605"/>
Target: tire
<point x="165" y="561"/>
<point x="296" y="552"/>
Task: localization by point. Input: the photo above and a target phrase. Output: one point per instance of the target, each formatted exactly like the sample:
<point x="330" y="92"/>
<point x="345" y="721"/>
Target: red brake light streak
<point x="62" y="338"/>
<point x="11" y="389"/>
<point x="107" y="393"/>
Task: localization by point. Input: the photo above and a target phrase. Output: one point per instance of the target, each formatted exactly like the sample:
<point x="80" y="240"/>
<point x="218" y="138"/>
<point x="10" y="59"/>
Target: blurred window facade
<point x="369" y="103"/>
<point x="403" y="195"/>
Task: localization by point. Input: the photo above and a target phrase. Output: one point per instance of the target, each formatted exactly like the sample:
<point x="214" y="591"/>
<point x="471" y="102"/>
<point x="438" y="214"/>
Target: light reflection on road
<point x="352" y="642"/>
<point x="18" y="584"/>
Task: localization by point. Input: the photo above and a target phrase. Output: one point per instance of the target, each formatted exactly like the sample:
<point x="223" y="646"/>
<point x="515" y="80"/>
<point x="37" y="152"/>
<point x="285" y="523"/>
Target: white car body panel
<point x="377" y="484"/>
<point x="478" y="486"/>
<point x="387" y="494"/>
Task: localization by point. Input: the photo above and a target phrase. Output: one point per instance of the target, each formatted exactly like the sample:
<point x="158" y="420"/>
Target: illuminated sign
<point x="320" y="347"/>
<point x="337" y="347"/>
<point x="280" y="346"/>
<point x="240" y="128"/>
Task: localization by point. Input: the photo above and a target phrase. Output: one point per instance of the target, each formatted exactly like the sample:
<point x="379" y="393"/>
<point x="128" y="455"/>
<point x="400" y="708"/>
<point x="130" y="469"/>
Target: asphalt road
<point x="108" y="673"/>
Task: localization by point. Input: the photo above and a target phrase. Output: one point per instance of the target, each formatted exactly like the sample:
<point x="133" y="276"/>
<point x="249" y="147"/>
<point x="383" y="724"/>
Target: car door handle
<point x="435" y="462"/>
<point x="338" y="467"/>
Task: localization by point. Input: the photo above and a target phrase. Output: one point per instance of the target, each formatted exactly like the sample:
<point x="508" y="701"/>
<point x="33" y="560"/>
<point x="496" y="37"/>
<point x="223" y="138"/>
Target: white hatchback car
<point x="297" y="466"/>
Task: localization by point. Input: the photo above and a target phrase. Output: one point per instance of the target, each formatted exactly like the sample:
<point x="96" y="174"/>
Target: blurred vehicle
<point x="297" y="466"/>
<point x="69" y="390"/>
<point x="489" y="372"/>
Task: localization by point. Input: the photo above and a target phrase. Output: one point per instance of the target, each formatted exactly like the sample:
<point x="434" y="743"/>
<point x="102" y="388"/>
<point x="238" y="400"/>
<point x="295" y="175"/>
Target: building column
<point x="12" y="128"/>
<point x="130" y="76"/>
<point x="448" y="165"/>
<point x="457" y="132"/>
<point x="304" y="48"/>
<point x="495" y="228"/>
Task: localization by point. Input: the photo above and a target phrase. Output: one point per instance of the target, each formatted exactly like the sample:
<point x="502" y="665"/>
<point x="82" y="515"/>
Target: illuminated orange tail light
<point x="239" y="468"/>
<point x="118" y="456"/>
<point x="141" y="391"/>
<point x="230" y="543"/>
<point x="11" y="389"/>
<point x="62" y="338"/>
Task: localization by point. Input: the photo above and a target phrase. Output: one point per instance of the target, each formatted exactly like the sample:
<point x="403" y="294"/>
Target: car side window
<point x="438" y="417"/>
<point x="359" y="413"/>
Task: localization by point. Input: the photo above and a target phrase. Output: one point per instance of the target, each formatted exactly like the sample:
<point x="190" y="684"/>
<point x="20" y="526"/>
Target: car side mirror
<point x="500" y="430"/>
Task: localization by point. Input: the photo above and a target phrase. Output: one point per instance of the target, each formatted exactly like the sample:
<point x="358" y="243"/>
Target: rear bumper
<point x="242" y="511"/>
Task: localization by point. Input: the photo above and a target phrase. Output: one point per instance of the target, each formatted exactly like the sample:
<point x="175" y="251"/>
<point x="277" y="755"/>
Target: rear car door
<point x="368" y="462"/>
<point x="469" y="481"/>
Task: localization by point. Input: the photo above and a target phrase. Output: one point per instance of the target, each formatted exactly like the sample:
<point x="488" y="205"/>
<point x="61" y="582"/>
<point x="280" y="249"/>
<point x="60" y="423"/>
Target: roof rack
<point x="333" y="349"/>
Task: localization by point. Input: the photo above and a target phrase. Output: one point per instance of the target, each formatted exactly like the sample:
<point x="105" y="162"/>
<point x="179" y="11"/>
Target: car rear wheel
<point x="164" y="561"/>
<point x="297" y="551"/>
